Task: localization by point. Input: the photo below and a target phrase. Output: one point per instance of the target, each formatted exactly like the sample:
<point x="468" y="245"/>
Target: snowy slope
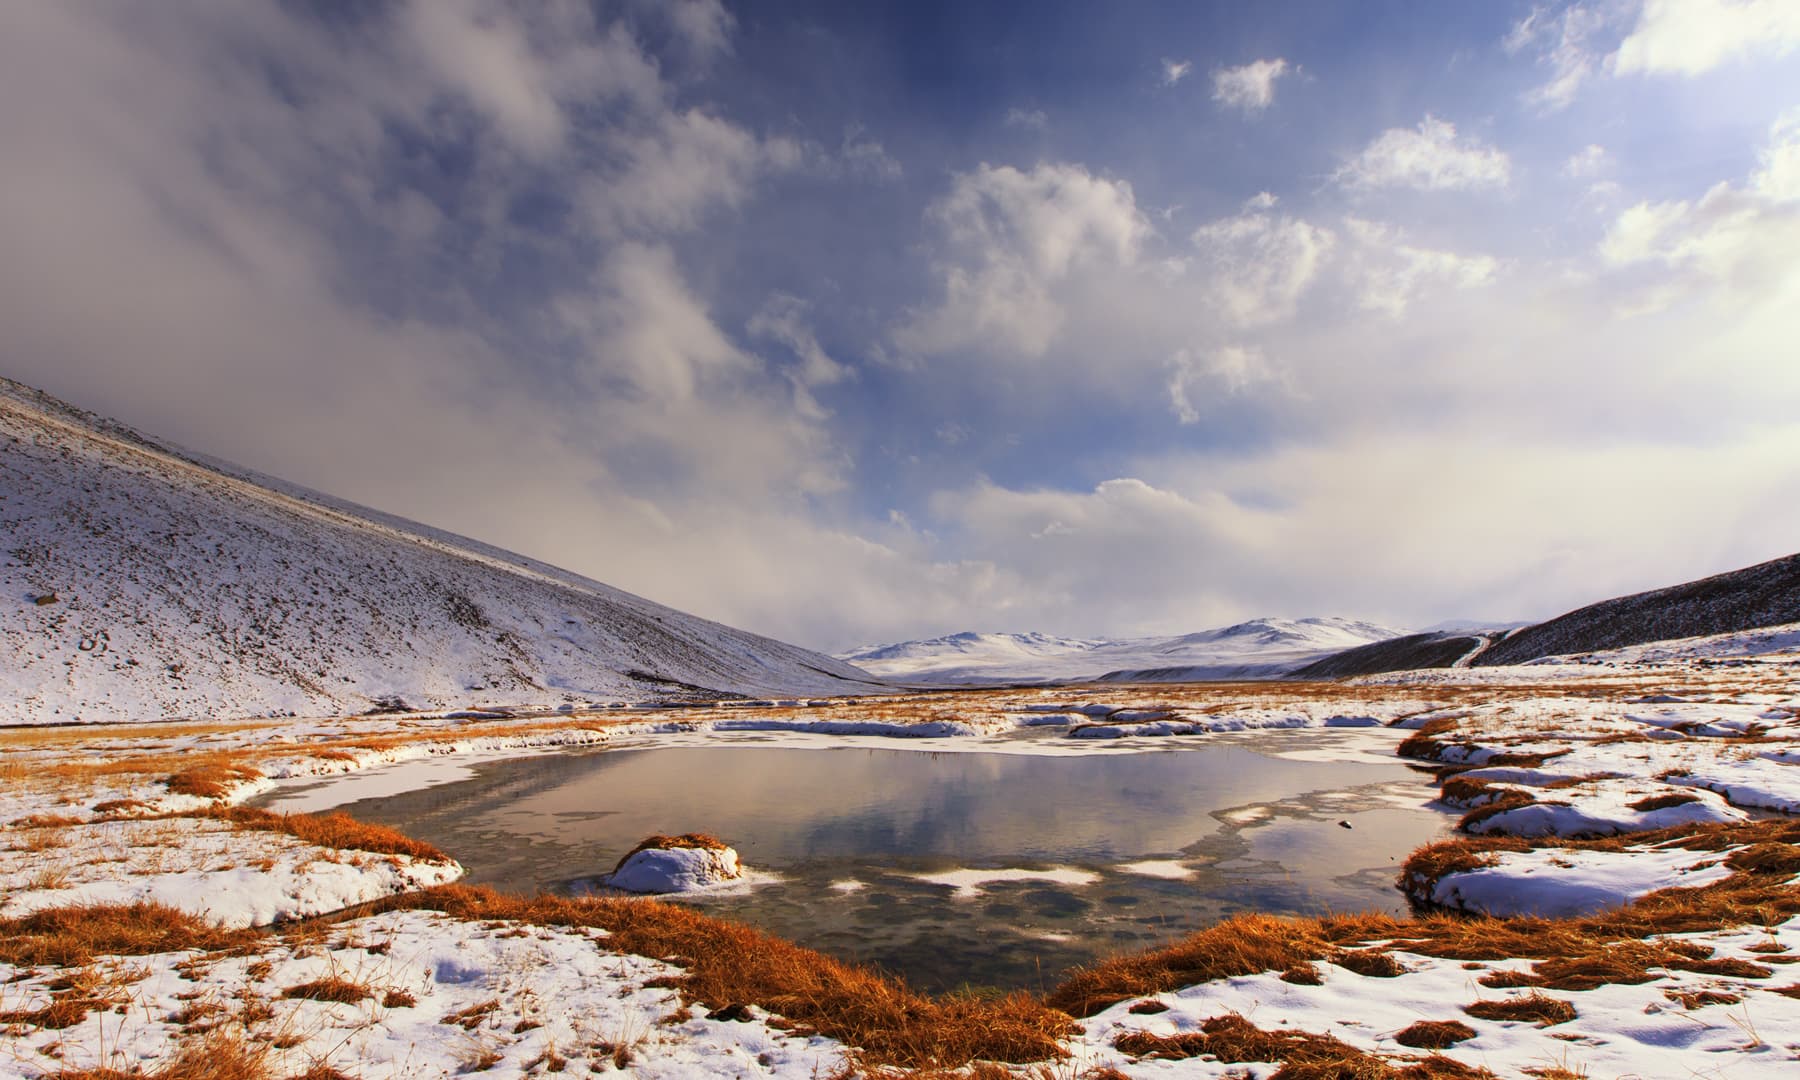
<point x="1261" y="648"/>
<point x="141" y="582"/>
<point x="1767" y="594"/>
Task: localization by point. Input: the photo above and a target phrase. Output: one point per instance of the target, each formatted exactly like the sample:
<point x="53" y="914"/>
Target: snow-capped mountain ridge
<point x="1257" y="648"/>
<point x="144" y="581"/>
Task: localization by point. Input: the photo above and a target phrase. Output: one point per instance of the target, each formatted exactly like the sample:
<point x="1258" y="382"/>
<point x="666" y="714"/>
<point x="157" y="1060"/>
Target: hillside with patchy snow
<point x="139" y="582"/>
<point x="1259" y="649"/>
<point x="1767" y="594"/>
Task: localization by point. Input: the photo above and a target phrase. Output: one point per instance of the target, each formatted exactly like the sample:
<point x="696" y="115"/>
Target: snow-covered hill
<point x="140" y="582"/>
<point x="1259" y="649"/>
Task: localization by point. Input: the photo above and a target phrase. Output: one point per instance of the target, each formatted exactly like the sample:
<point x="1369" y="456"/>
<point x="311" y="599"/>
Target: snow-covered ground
<point x="1258" y="649"/>
<point x="1607" y="747"/>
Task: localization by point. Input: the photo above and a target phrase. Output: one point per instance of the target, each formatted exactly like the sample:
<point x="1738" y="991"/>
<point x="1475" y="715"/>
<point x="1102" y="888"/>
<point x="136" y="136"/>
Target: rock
<point x="676" y="864"/>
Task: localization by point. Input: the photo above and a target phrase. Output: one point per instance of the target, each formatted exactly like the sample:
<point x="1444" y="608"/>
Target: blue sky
<point x="855" y="322"/>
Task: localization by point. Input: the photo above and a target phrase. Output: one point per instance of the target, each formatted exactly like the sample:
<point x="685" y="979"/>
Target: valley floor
<point x="1623" y="901"/>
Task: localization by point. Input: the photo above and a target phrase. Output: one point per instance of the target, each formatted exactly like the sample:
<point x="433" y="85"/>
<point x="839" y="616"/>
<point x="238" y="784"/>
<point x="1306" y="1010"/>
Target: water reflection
<point x="883" y="817"/>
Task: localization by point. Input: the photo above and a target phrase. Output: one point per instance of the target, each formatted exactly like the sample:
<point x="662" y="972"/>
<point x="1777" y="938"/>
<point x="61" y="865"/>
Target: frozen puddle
<point x="968" y="884"/>
<point x="982" y="869"/>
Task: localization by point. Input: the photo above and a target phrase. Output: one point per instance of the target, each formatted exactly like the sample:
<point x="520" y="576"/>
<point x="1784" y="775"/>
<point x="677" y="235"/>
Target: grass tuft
<point x="1535" y="1007"/>
<point x="210" y="781"/>
<point x="1434" y="1034"/>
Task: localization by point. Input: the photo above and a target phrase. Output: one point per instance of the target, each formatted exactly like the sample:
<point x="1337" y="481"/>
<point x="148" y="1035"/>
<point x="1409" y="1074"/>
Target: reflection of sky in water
<point x="815" y="816"/>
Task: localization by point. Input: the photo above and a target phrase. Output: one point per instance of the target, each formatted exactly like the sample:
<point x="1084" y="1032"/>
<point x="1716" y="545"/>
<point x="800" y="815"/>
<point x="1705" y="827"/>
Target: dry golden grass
<point x="215" y="1055"/>
<point x="68" y="936"/>
<point x="1303" y="1055"/>
<point x="726" y="963"/>
<point x="210" y="781"/>
<point x="335" y="830"/>
<point x="1434" y="1034"/>
<point x="1534" y="1007"/>
<point x="332" y="988"/>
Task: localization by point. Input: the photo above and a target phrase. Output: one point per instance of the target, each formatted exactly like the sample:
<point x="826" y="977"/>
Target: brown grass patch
<point x="210" y="781"/>
<point x="726" y="963"/>
<point x="1663" y="802"/>
<point x="73" y="935"/>
<point x="471" y="1018"/>
<point x="1695" y="999"/>
<point x="336" y="830"/>
<point x="1435" y="1034"/>
<point x="1373" y="963"/>
<point x="332" y="988"/>
<point x="1538" y="1008"/>
<point x="1303" y="1055"/>
<point x="1241" y="945"/>
<point x="213" y="1056"/>
<point x="120" y="806"/>
<point x="398" y="999"/>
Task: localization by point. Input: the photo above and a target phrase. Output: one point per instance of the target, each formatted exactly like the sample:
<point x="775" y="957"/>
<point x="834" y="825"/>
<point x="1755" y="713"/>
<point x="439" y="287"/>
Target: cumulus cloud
<point x="1011" y="238"/>
<point x="1173" y="71"/>
<point x="1259" y="264"/>
<point x="1228" y="370"/>
<point x="1741" y="238"/>
<point x="1428" y="158"/>
<point x="1692" y="37"/>
<point x="1250" y="87"/>
<point x="1390" y="273"/>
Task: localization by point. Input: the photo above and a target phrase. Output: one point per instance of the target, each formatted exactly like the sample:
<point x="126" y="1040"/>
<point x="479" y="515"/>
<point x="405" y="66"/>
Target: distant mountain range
<point x="1258" y="649"/>
<point x="139" y="581"/>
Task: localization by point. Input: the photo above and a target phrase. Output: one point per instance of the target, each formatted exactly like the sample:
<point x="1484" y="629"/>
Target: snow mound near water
<point x="676" y="870"/>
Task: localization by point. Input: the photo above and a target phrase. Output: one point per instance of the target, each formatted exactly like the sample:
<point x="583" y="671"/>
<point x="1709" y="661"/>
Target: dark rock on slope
<point x="1434" y="650"/>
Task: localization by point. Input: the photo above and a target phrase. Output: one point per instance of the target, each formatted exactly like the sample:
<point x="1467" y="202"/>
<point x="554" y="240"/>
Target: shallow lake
<point x="860" y="846"/>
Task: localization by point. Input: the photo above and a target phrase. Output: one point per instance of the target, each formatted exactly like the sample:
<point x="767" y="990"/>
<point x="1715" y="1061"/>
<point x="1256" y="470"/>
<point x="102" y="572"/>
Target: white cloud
<point x="1692" y="37"/>
<point x="1590" y="161"/>
<point x="1258" y="265"/>
<point x="1428" y="158"/>
<point x="1035" y="119"/>
<point x="1250" y="87"/>
<point x="1778" y="178"/>
<point x="676" y="171"/>
<point x="1740" y="238"/>
<point x="704" y="24"/>
<point x="1390" y="274"/>
<point x="1173" y="71"/>
<point x="1012" y="238"/>
<point x="1229" y="370"/>
<point x="1562" y="39"/>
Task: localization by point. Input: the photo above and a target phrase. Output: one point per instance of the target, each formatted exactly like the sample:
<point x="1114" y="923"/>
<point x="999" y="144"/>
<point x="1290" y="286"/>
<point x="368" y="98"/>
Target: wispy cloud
<point x="1173" y="71"/>
<point x="1250" y="87"/>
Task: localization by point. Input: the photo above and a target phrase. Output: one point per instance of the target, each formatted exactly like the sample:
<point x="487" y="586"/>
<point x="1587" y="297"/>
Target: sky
<point x="849" y="323"/>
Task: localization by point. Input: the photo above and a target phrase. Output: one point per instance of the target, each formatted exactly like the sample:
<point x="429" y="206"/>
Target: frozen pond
<point x="889" y="856"/>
